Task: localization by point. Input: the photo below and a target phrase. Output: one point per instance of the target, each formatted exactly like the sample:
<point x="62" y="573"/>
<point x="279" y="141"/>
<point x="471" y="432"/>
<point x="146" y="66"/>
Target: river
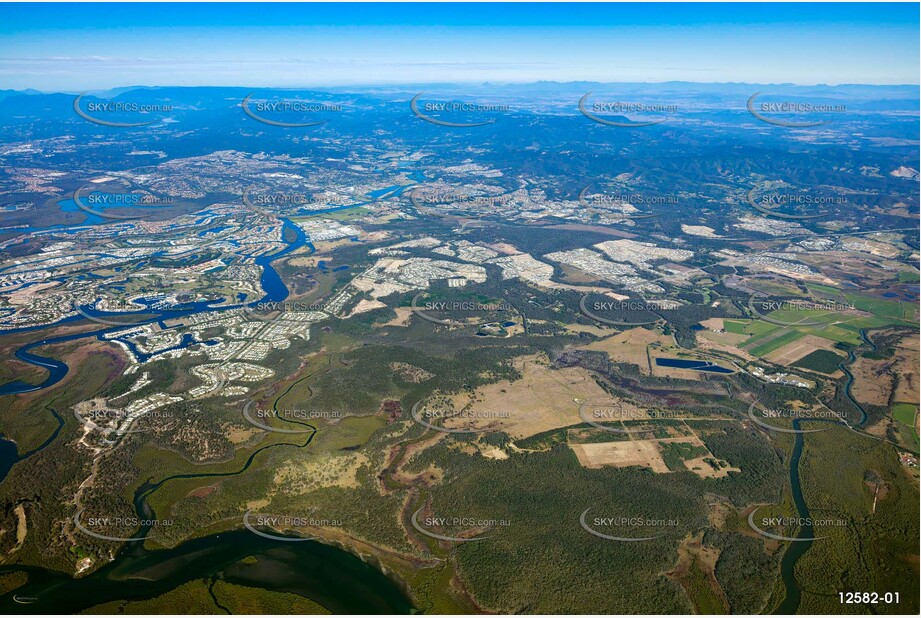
<point x="333" y="577"/>
<point x="793" y="591"/>
<point x="274" y="288"/>
<point x="336" y="579"/>
<point x="797" y="549"/>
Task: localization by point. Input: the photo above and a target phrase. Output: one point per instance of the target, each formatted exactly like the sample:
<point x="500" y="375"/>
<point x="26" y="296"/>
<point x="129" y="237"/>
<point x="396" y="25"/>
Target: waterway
<point x="844" y="366"/>
<point x="694" y="365"/>
<point x="796" y="550"/>
<point x="274" y="287"/>
<point x="336" y="579"/>
<point x="9" y="456"/>
<point x="333" y="577"/>
<point x="793" y="591"/>
<point x="9" y="451"/>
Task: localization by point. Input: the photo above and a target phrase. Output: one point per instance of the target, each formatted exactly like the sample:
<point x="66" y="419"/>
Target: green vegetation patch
<point x="904" y="413"/>
<point x="823" y="361"/>
<point x="676" y="453"/>
<point x="759" y="330"/>
<point x="777" y="342"/>
<point x="731" y="326"/>
<point x="195" y="597"/>
<point x="862" y="522"/>
<point x="892" y="309"/>
<point x="697" y="584"/>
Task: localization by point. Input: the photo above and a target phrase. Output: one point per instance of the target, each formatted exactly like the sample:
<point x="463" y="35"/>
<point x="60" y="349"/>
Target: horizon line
<point x="469" y="83"/>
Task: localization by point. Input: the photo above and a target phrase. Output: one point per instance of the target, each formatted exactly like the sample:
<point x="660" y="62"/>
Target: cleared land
<point x="402" y="317"/>
<point x="905" y="365"/>
<point x="543" y="399"/>
<point x="630" y="346"/>
<point x="702" y="468"/>
<point x="621" y="455"/>
<point x="695" y="573"/>
<point x="872" y="381"/>
<point x="682" y="447"/>
<point x="639" y="346"/>
<point x="790" y="353"/>
<point x="876" y="380"/>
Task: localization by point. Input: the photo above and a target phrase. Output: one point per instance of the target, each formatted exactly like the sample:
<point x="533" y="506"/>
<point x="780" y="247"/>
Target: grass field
<point x="909" y="436"/>
<point x="775" y="342"/>
<point x="904" y="413"/>
<point x="825" y="289"/>
<point x="737" y="328"/>
<point x="892" y="309"/>
<point x="836" y="326"/>
<point x="755" y="328"/>
<point x="879" y="307"/>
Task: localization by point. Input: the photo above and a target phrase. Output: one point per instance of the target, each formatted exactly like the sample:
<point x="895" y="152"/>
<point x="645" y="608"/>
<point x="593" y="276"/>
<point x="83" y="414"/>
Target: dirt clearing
<point x="621" y="455"/>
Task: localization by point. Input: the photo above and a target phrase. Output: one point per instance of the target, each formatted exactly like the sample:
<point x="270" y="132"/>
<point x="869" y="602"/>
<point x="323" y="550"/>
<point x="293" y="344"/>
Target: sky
<point x="76" y="47"/>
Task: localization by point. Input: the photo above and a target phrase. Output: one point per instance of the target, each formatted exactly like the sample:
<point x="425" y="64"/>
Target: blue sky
<point x="75" y="47"/>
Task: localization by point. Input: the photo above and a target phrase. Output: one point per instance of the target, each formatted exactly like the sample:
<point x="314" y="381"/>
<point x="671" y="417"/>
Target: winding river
<point x="336" y="579"/>
<point x="793" y="591"/>
<point x="274" y="287"/>
<point x="791" y="600"/>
